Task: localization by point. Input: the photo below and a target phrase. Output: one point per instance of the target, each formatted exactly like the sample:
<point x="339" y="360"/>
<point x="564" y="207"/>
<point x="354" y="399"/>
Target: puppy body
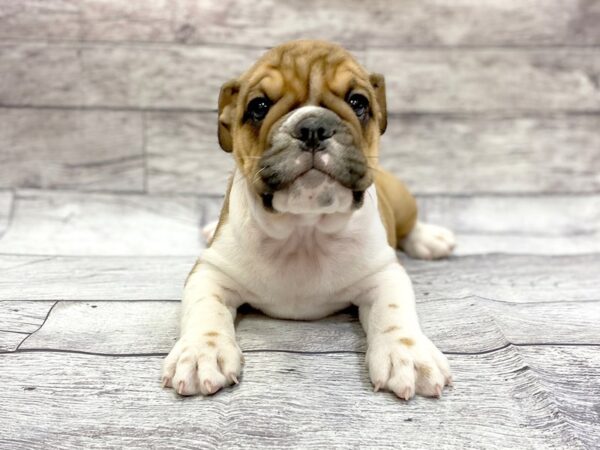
<point x="309" y="225"/>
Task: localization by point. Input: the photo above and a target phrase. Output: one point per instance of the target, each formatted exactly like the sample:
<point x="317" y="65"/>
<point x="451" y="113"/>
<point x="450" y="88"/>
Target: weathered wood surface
<point x="19" y="319"/>
<point x="183" y="154"/>
<point x="494" y="153"/>
<point x="458" y="326"/>
<point x="508" y="278"/>
<point x="572" y="375"/>
<point x="108" y="402"/>
<point x="84" y="150"/>
<point x="78" y="223"/>
<point x="441" y="154"/>
<point x="267" y="22"/>
<point x="184" y="77"/>
<point x="23" y="316"/>
<point x="489" y="80"/>
<point x="6" y="208"/>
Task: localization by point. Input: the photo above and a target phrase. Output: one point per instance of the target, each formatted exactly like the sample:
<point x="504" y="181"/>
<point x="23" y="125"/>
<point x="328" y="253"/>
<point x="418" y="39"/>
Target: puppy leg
<point x="427" y="241"/>
<point x="400" y="357"/>
<point x="206" y="357"/>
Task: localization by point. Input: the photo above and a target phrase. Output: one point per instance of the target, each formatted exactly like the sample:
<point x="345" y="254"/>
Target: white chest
<point x="299" y="267"/>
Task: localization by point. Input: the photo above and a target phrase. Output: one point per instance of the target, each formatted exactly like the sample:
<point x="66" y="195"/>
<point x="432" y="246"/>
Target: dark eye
<point x="359" y="104"/>
<point x="258" y="108"/>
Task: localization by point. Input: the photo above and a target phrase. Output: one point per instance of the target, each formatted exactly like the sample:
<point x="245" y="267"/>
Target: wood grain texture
<point x="23" y="316"/>
<point x="92" y="223"/>
<point x="76" y="223"/>
<point x="183" y="154"/>
<point x="267" y="22"/>
<point x="508" y="278"/>
<point x="120" y="400"/>
<point x="489" y="79"/>
<point x="183" y="77"/>
<point x="494" y="153"/>
<point x="572" y="375"/>
<point x="554" y="224"/>
<point x="432" y="153"/>
<point x="132" y="76"/>
<point x="80" y="150"/>
<point x="93" y="277"/>
<point x="18" y="319"/>
<point x="463" y="326"/>
<point x="10" y="340"/>
<point x="6" y="207"/>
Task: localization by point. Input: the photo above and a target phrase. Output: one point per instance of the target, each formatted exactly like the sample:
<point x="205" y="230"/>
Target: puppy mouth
<point x="310" y="178"/>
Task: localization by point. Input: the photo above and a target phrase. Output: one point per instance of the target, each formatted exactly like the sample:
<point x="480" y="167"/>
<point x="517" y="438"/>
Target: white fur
<point x="304" y="266"/>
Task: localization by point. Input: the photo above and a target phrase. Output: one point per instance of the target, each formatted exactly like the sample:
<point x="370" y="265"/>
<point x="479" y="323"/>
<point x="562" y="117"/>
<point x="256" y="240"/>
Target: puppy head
<point x="304" y="125"/>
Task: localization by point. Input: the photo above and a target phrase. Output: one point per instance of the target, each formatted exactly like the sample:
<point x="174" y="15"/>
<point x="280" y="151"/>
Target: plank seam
<point x="295" y="352"/>
<point x="516" y="113"/>
<point x="183" y="43"/>
<point x="39" y="328"/>
<point x="195" y="255"/>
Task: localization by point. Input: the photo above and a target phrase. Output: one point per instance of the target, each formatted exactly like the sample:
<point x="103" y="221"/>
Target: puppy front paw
<point x="426" y="241"/>
<point x="406" y="365"/>
<point x="202" y="365"/>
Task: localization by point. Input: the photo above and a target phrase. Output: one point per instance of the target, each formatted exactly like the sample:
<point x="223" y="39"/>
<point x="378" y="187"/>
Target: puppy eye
<point x="258" y="108"/>
<point x="359" y="104"/>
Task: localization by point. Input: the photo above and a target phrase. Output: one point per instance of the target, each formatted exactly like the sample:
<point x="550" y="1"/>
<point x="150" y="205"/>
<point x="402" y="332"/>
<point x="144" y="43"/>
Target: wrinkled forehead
<point x="306" y="72"/>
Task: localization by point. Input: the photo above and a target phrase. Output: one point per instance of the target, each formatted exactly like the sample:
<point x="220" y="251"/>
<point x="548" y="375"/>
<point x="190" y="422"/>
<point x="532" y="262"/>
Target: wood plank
<point x="132" y="76"/>
<point x="10" y="340"/>
<point x="184" y="77"/>
<point x="489" y="80"/>
<point x="466" y="326"/>
<point x="266" y="23"/>
<point x="104" y="224"/>
<point x="572" y="374"/>
<point x="6" y="205"/>
<point x="183" y="154"/>
<point x="508" y="278"/>
<point x="81" y="150"/>
<point x="431" y="153"/>
<point x="67" y="400"/>
<point x="93" y="278"/>
<point x="18" y="319"/>
<point x="23" y="316"/>
<point x="552" y="224"/>
<point x="114" y="224"/>
<point x="494" y="153"/>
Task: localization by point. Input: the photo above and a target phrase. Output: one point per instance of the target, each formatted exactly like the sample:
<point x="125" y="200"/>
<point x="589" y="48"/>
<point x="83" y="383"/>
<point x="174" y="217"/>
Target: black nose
<point x="312" y="131"/>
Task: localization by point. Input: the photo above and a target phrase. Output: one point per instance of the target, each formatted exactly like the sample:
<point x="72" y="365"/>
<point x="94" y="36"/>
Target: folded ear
<point x="378" y="83"/>
<point x="227" y="103"/>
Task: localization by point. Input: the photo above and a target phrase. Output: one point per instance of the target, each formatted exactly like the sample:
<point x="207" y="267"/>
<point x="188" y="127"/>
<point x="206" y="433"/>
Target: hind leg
<point x="426" y="241"/>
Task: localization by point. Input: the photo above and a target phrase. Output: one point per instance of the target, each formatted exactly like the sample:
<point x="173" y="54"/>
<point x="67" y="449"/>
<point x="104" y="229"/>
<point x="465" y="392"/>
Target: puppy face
<point x="304" y="125"/>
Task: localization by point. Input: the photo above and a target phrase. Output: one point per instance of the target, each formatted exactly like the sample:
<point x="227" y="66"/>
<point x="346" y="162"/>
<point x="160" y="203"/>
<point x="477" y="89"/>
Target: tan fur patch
<point x="211" y="343"/>
<point x="424" y="371"/>
<point x="211" y="333"/>
<point x="407" y="341"/>
<point x="393" y="305"/>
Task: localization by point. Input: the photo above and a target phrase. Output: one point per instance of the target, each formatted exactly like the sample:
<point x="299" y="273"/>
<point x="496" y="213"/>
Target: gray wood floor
<point x="109" y="166"/>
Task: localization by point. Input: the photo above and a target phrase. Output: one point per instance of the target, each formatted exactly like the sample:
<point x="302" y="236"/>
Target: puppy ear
<point x="378" y="83"/>
<point x="227" y="101"/>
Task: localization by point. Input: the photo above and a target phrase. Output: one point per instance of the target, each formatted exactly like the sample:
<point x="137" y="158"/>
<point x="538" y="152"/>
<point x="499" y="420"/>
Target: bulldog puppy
<point x="309" y="225"/>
